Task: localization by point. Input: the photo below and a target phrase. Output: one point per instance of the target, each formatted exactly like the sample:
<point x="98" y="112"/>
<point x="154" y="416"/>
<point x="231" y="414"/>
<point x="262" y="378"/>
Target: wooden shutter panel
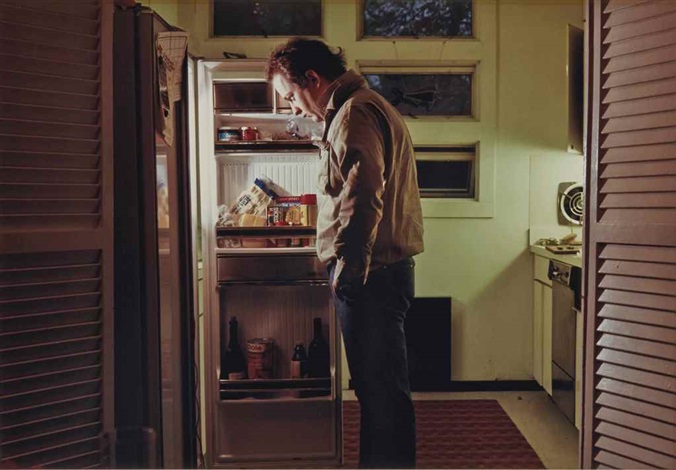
<point x="55" y="232"/>
<point x="629" y="411"/>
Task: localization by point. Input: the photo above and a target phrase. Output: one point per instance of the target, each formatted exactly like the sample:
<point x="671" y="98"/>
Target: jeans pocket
<point x="405" y="282"/>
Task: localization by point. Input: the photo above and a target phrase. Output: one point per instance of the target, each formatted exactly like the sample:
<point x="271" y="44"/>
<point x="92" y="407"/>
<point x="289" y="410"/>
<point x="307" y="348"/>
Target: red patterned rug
<point x="455" y="434"/>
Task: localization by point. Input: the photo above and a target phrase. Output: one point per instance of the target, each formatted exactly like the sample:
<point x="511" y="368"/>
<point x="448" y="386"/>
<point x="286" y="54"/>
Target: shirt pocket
<point x="325" y="185"/>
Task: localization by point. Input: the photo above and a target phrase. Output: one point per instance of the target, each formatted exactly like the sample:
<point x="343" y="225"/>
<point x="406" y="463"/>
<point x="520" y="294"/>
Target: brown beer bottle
<point x="299" y="362"/>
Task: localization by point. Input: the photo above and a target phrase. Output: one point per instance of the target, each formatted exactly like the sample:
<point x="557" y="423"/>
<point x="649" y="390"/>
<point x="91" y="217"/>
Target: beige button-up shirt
<point x="371" y="215"/>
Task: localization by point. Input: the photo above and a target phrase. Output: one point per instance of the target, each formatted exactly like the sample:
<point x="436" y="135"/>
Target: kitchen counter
<point x="573" y="260"/>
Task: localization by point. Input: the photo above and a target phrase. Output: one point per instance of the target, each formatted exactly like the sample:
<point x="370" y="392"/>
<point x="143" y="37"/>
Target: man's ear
<point x="312" y="77"/>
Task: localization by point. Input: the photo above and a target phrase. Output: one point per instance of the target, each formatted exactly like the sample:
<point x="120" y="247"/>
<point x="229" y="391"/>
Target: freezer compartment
<point x="243" y="96"/>
<point x="296" y="268"/>
<point x="276" y="432"/>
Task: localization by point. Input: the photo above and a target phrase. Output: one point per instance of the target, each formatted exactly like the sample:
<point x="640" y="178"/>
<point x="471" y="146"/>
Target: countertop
<point x="573" y="260"/>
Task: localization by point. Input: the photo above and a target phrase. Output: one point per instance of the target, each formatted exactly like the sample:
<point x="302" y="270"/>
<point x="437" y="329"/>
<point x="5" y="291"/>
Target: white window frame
<point x="428" y="68"/>
<point x="446" y="153"/>
<point x="452" y="131"/>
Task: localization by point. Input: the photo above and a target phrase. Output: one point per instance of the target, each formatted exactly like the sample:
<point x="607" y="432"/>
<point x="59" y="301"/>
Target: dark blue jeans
<point x="375" y="345"/>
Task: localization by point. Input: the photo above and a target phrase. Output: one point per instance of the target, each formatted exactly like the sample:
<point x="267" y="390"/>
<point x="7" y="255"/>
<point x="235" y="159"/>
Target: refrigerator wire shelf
<point x="267" y="389"/>
<point x="280" y="231"/>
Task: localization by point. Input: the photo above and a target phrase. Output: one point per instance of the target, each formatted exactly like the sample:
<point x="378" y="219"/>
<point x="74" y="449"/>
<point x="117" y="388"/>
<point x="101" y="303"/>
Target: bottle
<point x="299" y="362"/>
<point x="319" y="355"/>
<point x="233" y="365"/>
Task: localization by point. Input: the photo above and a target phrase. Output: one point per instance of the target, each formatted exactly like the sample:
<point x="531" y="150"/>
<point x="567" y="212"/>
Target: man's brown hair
<point x="293" y="59"/>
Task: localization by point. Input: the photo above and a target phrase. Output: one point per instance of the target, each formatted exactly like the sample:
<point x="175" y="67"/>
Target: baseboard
<point x="478" y="386"/>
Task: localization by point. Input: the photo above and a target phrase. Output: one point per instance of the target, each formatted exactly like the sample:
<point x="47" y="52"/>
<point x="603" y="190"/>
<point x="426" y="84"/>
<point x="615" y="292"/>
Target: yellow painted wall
<point x="167" y="9"/>
<point x="477" y="253"/>
<point x="487" y="266"/>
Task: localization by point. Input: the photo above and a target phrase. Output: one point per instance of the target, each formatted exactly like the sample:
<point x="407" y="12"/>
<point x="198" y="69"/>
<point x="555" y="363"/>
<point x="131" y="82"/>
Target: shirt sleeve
<point x="359" y="150"/>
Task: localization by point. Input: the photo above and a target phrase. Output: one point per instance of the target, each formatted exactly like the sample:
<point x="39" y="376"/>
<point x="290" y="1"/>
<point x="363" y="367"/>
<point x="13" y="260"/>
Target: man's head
<point x="301" y="70"/>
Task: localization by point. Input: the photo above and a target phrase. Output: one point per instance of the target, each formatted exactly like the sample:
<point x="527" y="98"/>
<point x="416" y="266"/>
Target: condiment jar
<point x="249" y="133"/>
<point x="227" y="134"/>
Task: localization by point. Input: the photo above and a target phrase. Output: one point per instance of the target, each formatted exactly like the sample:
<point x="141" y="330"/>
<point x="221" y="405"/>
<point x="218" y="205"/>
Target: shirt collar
<point x="325" y="99"/>
<point x="339" y="90"/>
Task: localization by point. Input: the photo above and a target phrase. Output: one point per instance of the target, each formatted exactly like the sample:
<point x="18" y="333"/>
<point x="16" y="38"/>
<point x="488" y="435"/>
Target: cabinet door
<point x="547" y="338"/>
<point x="58" y="383"/>
<point x="537" y="330"/>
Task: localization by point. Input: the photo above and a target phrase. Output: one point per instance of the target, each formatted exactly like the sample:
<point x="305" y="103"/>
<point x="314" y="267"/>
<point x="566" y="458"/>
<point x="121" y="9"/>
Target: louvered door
<point x="55" y="232"/>
<point x="629" y="404"/>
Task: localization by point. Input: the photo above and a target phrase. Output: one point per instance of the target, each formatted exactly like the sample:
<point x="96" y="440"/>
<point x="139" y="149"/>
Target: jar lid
<point x="227" y="128"/>
<point x="249" y="128"/>
<point x="309" y="199"/>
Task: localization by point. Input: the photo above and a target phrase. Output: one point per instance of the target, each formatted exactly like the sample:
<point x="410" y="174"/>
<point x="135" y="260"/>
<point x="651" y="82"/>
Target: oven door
<point x="563" y="392"/>
<point x="563" y="328"/>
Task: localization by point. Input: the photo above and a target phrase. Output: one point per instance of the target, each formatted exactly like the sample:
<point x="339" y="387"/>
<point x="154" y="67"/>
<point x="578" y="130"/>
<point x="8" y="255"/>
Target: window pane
<point x="443" y="178"/>
<point x="418" y="18"/>
<point x="267" y="18"/>
<point x="425" y="94"/>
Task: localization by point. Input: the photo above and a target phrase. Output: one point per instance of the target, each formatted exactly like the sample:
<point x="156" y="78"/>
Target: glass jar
<point x="249" y="133"/>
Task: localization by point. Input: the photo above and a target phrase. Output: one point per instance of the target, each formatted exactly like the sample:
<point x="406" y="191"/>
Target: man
<point x="369" y="226"/>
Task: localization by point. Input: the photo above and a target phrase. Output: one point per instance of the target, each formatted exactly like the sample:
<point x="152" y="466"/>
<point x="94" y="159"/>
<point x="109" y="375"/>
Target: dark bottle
<point x="299" y="362"/>
<point x="319" y="355"/>
<point x="233" y="364"/>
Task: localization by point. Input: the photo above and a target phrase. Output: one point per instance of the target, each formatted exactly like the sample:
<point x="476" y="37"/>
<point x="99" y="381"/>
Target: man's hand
<point x="348" y="280"/>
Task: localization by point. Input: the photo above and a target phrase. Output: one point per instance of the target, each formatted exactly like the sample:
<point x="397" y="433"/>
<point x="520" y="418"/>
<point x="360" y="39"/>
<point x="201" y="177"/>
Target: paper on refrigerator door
<point x="171" y="47"/>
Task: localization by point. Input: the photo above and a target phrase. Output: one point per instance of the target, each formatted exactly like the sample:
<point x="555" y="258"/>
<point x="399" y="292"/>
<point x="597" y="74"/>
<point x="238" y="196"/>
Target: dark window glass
<point x="418" y="18"/>
<point x="439" y="178"/>
<point x="425" y="94"/>
<point x="267" y="18"/>
<point x="446" y="177"/>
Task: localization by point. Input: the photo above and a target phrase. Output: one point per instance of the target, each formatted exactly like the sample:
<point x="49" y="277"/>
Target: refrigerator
<point x="181" y="277"/>
<point x="268" y="277"/>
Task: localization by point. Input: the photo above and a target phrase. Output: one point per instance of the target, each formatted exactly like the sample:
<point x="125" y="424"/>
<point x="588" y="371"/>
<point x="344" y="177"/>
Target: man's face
<point x="303" y="101"/>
